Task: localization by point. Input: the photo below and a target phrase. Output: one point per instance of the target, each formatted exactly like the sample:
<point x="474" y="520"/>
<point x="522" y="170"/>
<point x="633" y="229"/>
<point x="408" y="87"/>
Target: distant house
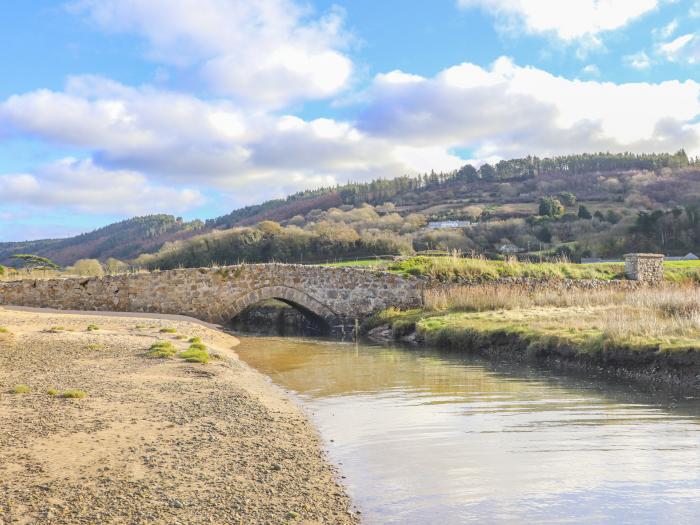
<point x="687" y="257"/>
<point x="441" y="225"/>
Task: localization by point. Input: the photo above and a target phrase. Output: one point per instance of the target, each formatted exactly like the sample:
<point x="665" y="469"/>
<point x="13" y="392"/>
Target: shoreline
<point x="679" y="371"/>
<point x="154" y="440"/>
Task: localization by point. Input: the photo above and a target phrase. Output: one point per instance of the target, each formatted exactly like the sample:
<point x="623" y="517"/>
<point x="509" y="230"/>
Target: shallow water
<point x="430" y="437"/>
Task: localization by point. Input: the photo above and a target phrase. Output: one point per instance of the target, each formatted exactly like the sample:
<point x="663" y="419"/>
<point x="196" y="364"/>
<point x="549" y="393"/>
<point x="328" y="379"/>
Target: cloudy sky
<point x="115" y="108"/>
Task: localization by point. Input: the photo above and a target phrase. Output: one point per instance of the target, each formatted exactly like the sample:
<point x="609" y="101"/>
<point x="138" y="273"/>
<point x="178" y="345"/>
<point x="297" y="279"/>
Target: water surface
<point x="436" y="438"/>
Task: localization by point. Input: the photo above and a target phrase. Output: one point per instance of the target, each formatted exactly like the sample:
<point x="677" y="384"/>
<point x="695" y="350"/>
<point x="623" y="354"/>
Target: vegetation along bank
<point x="623" y="328"/>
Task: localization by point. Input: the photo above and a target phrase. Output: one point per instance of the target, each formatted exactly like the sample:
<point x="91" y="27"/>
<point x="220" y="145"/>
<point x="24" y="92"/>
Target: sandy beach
<point x="153" y="440"/>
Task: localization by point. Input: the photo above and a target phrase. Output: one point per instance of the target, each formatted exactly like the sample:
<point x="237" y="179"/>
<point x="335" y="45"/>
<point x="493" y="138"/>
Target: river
<point x="423" y="436"/>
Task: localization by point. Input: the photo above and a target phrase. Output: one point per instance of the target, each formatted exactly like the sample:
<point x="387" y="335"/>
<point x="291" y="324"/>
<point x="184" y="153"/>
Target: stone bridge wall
<point x="338" y="295"/>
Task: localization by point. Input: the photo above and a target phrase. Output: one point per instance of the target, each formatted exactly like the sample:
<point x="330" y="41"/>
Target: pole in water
<point x="357" y="329"/>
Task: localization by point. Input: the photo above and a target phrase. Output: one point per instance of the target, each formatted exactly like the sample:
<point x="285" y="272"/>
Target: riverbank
<point x="646" y="334"/>
<point x="96" y="431"/>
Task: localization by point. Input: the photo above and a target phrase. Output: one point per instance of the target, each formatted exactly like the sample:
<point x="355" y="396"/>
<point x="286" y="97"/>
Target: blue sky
<point x="115" y="108"/>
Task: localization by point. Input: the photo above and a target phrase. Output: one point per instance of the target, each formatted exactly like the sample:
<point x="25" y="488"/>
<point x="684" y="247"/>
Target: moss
<point x="73" y="394"/>
<point x="20" y="389"/>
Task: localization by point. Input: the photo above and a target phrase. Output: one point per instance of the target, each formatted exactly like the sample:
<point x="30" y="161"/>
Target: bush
<point x="87" y="267"/>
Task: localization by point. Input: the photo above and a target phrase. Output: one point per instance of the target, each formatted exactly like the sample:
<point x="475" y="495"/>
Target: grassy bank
<point x="453" y="269"/>
<point x="628" y="328"/>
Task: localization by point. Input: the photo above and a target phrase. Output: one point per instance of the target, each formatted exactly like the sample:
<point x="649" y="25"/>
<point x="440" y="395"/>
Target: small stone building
<point x="646" y="267"/>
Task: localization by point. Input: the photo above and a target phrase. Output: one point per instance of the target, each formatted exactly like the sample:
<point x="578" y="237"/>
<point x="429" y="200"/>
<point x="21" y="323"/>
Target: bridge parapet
<point x="336" y="295"/>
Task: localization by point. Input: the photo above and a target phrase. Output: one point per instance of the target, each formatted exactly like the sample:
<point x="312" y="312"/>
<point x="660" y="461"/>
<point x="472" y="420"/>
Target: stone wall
<point x="337" y="295"/>
<point x="645" y="267"/>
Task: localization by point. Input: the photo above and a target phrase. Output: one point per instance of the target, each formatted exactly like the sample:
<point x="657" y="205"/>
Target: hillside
<point x="578" y="205"/>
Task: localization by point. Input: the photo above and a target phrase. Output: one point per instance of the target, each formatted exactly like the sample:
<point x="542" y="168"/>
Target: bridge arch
<point x="308" y="305"/>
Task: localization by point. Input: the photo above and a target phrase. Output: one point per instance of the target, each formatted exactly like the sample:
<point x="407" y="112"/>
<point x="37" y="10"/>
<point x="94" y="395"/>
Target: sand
<point x="155" y="440"/>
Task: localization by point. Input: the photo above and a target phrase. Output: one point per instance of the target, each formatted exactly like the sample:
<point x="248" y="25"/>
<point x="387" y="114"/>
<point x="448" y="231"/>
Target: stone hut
<point x="646" y="267"/>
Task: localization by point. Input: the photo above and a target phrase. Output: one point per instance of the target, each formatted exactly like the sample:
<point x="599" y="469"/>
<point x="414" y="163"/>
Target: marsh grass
<point x="665" y="318"/>
<point x="161" y="349"/>
<point x="167" y="330"/>
<point x="52" y="392"/>
<point x="196" y="353"/>
<point x="194" y="340"/>
<point x="20" y="389"/>
<point x="73" y="394"/>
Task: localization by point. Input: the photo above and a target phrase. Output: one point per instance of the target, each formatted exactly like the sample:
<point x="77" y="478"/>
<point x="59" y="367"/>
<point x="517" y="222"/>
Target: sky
<point x="116" y="108"/>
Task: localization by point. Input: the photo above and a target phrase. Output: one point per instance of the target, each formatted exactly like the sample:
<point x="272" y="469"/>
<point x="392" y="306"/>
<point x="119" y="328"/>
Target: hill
<point x="578" y="205"/>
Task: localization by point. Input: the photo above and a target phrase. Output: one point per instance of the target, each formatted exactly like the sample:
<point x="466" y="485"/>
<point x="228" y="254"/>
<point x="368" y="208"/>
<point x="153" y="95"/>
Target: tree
<point x="87" y="267"/>
<point x="115" y="265"/>
<point x="468" y="173"/>
<point x="550" y="207"/>
<point x="35" y="262"/>
<point x="567" y="198"/>
<point x="487" y="172"/>
<point x="583" y="212"/>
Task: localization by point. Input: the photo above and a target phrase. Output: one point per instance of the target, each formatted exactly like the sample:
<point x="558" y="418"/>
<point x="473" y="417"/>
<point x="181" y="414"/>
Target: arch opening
<point x="280" y="310"/>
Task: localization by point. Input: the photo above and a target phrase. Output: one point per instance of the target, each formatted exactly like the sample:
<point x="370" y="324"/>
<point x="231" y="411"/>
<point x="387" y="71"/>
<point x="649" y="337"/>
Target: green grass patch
<point x="4" y="330"/>
<point x="162" y="350"/>
<point x="450" y="269"/>
<point x="167" y="330"/>
<point x="56" y="329"/>
<point x="92" y="327"/>
<point x="73" y="394"/>
<point x="196" y="353"/>
<point x="52" y="392"/>
<point x="20" y="389"/>
<point x="364" y="263"/>
<point x="194" y="340"/>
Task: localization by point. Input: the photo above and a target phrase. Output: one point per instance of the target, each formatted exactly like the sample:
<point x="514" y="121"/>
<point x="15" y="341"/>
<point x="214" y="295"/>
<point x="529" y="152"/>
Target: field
<point x="453" y="268"/>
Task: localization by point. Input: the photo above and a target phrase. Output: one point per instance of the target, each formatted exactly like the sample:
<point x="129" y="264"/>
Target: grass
<point x="4" y="330"/>
<point x="454" y="268"/>
<point x="20" y="389"/>
<point x="161" y="349"/>
<point x="55" y="329"/>
<point x="196" y="353"/>
<point x="52" y="392"/>
<point x="92" y="327"/>
<point x="194" y="340"/>
<point x="95" y="346"/>
<point x="73" y="394"/>
<point x="661" y="320"/>
<point x="167" y="330"/>
<point x="363" y="263"/>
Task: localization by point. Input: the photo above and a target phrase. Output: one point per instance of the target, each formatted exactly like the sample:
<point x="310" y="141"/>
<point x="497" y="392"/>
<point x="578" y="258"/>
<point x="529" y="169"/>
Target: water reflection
<point x="428" y="437"/>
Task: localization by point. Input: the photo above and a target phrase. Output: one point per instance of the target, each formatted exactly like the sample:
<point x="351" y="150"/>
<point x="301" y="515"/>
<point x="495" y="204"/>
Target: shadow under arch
<point x="320" y="315"/>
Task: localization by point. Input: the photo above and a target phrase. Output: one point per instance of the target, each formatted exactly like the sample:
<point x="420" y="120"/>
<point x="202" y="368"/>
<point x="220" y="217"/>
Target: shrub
<point x="87" y="267"/>
<point x="73" y="394"/>
<point x="20" y="389"/>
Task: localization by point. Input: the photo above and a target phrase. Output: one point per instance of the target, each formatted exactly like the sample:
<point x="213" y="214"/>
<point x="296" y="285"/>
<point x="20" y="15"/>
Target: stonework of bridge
<point x="337" y="296"/>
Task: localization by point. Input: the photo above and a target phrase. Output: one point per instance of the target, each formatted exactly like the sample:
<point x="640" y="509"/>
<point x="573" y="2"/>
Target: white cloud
<point x="639" y="61"/>
<point x="684" y="49"/>
<point x="591" y="70"/>
<point x="568" y="20"/>
<point x="510" y="110"/>
<point x="666" y="31"/>
<point x="263" y="52"/>
<point x="82" y="186"/>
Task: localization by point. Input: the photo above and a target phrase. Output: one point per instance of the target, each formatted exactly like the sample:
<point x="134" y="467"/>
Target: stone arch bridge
<point x="335" y="296"/>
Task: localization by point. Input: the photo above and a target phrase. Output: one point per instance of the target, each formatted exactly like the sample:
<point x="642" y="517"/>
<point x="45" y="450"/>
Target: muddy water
<point x="435" y="438"/>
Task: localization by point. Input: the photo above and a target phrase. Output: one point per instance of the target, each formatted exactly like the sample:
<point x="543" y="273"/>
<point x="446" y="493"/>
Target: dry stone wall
<point x="337" y="295"/>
